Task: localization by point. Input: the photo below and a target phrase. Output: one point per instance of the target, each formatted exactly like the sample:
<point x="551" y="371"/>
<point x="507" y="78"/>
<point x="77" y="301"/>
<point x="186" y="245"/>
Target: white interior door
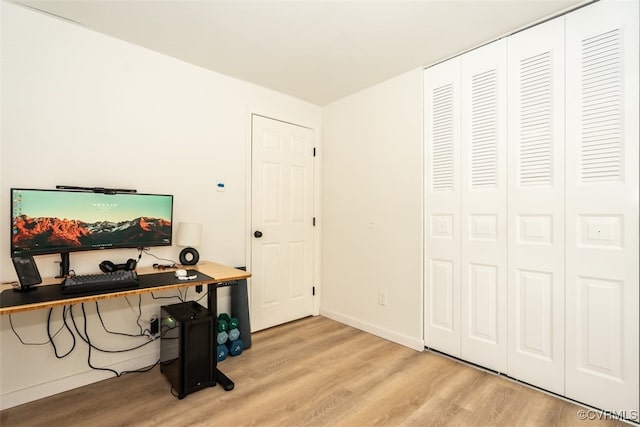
<point x="602" y="339"/>
<point x="282" y="222"/>
<point x="442" y="206"/>
<point x="536" y="205"/>
<point x="484" y="206"/>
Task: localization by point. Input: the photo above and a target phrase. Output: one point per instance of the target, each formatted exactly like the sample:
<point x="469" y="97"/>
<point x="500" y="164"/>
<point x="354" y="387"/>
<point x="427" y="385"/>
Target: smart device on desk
<point x="184" y="275"/>
<point x="28" y="274"/>
<point x="64" y="221"/>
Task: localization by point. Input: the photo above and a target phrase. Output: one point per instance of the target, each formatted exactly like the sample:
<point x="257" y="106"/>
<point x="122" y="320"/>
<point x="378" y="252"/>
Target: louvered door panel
<point x="484" y="130"/>
<point x="442" y="207"/>
<point x="536" y="205"/>
<point x="484" y="206"/>
<point x="601" y="156"/>
<point x="602" y="321"/>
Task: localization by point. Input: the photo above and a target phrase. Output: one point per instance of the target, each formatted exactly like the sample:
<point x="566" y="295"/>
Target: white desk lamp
<point x="189" y="235"/>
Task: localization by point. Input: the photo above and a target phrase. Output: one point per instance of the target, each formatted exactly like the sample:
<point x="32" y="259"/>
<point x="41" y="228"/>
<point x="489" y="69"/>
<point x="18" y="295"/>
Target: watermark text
<point x="599" y="414"/>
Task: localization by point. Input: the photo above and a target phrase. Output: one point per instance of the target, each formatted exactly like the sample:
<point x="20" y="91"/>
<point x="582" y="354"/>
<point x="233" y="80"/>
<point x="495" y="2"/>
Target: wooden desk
<point x="12" y="301"/>
<point x="217" y="272"/>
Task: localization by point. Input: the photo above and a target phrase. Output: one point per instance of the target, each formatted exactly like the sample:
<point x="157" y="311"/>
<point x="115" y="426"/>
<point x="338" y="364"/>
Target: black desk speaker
<point x="187" y="355"/>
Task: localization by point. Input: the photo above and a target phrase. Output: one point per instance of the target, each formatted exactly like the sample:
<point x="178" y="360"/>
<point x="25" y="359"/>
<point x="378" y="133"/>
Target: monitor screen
<point x="59" y="221"/>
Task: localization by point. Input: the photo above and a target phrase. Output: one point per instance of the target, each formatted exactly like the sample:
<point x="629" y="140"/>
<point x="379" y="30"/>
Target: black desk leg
<point x="212" y="304"/>
<point x="224" y="380"/>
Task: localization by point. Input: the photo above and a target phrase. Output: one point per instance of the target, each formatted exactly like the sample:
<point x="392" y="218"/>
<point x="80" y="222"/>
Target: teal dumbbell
<point x="233" y="323"/>
<point x="223" y="325"/>
<point x="233" y="334"/>
<point x="235" y="347"/>
<point x="222" y="337"/>
<point x="221" y="352"/>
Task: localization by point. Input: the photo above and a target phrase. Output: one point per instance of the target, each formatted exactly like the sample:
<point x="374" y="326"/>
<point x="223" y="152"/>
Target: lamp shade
<point x="189" y="234"/>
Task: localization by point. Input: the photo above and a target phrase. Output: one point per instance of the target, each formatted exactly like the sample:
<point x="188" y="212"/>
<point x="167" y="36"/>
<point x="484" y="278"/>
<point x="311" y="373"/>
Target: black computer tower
<point x="187" y="357"/>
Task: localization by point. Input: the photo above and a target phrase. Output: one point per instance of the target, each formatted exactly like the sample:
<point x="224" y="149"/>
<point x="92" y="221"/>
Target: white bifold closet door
<point x="483" y="276"/>
<point x="442" y="207"/>
<point x="532" y="245"/>
<point x="466" y="207"/>
<point x="536" y="205"/>
<point x="602" y="206"/>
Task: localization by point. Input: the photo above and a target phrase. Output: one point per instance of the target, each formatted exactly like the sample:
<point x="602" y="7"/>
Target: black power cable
<point x="116" y="332"/>
<point x="91" y="346"/>
<point x="87" y="340"/>
<point x="23" y="342"/>
<point x="66" y="325"/>
<point x="148" y="252"/>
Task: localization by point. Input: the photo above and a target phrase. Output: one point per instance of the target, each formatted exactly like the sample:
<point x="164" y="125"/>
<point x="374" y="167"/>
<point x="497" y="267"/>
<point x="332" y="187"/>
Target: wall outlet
<point x="382" y="297"/>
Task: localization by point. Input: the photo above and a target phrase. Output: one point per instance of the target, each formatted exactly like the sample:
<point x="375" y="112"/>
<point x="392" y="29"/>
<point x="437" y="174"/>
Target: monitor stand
<point x="64" y="265"/>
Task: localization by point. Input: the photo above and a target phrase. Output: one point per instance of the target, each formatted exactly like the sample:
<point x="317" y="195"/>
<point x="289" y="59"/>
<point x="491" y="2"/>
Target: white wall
<point x="1" y="150"/>
<point x="372" y="209"/>
<point x="81" y="108"/>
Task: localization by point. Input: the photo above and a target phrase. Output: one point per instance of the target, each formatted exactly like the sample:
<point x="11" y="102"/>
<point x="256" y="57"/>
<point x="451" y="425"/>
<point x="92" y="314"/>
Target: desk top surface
<point x="49" y="293"/>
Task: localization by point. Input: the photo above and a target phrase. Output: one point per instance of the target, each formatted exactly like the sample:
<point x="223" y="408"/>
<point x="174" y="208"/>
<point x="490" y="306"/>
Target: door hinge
<point x="314" y="221"/>
<point x="313" y="290"/>
<point x="314" y="151"/>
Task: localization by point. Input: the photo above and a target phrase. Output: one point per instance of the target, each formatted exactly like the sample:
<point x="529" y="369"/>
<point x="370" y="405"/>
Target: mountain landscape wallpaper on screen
<point x="66" y="233"/>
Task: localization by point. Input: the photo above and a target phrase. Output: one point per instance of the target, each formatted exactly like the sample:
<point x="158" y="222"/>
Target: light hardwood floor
<point x="312" y="372"/>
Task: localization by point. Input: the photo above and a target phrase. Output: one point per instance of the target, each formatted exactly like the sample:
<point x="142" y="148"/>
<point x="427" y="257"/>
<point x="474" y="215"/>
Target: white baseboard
<point x="39" y="391"/>
<point x="411" y="342"/>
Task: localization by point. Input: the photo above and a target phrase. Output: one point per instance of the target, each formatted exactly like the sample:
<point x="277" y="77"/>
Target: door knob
<point x="257" y="234"/>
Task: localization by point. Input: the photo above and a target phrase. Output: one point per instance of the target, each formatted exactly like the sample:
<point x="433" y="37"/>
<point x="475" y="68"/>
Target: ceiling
<point x="318" y="51"/>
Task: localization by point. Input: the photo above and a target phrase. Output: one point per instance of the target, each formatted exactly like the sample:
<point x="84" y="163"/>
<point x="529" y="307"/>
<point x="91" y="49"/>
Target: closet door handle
<point x="257" y="234"/>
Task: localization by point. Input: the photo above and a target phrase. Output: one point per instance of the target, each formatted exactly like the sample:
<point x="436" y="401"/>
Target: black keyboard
<point x="100" y="282"/>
